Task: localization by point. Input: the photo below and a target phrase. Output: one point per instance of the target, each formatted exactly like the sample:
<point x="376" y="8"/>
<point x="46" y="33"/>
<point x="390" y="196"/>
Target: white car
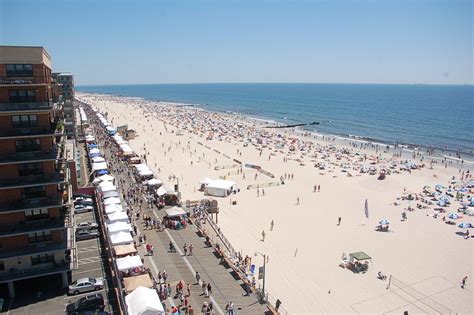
<point x="86" y="285"/>
<point x="82" y="208"/>
<point x="87" y="226"/>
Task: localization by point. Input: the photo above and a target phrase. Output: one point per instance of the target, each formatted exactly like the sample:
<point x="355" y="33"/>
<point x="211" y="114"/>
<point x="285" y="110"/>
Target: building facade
<point x="35" y="233"/>
<point x="65" y="83"/>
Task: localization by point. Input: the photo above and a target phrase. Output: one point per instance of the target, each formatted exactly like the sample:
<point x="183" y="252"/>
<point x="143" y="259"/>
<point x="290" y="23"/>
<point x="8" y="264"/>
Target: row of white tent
<point x="83" y="115"/>
<point x="141" y="301"/>
<point x="123" y="144"/>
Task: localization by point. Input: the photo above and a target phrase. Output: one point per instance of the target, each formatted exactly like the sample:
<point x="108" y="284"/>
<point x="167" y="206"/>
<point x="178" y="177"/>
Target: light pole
<point x="264" y="271"/>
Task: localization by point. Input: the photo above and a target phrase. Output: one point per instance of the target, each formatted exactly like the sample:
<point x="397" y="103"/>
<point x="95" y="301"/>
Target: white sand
<point x="423" y="252"/>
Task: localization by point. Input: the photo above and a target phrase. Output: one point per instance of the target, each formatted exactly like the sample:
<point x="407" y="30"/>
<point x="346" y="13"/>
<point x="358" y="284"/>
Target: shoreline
<point x="439" y="153"/>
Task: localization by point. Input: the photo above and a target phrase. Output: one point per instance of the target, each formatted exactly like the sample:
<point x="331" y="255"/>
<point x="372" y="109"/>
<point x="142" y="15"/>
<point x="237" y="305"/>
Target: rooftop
<point x="24" y="54"/>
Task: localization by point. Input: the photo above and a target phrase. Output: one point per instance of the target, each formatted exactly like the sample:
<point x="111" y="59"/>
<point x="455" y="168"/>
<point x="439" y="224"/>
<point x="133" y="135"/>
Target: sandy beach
<point x="426" y="257"/>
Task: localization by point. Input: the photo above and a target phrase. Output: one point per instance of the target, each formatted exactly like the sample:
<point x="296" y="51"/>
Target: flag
<point x="366" y="209"/>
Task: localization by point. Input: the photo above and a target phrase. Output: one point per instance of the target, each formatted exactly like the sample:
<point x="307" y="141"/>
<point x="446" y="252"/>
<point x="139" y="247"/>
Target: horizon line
<point x="341" y="83"/>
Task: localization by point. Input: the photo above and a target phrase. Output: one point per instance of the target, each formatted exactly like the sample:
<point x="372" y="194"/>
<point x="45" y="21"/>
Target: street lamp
<point x="264" y="271"/>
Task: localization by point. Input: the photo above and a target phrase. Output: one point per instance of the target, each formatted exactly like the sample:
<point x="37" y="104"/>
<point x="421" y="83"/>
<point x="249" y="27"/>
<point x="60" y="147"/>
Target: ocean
<point x="438" y="116"/>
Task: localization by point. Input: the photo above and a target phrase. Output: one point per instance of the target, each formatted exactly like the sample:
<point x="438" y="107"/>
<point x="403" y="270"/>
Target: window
<point x="2" y="265"/>
<point x="38" y="237"/>
<point x="19" y="69"/>
<point x="42" y="259"/>
<point x="19" y="96"/>
<point x="28" y="145"/>
<point x="33" y="192"/>
<point x="21" y="121"/>
<point x="36" y="214"/>
<point x="30" y="169"/>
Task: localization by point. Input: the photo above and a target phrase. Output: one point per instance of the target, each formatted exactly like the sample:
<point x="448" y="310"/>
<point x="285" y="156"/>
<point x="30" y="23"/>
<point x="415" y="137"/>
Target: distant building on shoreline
<point x="65" y="83"/>
<point x="35" y="194"/>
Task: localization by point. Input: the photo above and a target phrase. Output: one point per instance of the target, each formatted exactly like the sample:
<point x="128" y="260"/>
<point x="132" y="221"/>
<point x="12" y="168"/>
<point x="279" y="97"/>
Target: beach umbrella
<point x="465" y="225"/>
<point x="384" y="222"/>
<point x="453" y="216"/>
<point x="102" y="172"/>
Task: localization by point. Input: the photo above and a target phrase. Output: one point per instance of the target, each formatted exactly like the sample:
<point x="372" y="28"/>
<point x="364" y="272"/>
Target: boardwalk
<point x="226" y="287"/>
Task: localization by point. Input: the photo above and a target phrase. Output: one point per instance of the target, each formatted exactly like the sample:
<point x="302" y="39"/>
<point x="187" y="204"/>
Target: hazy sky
<point x="347" y="41"/>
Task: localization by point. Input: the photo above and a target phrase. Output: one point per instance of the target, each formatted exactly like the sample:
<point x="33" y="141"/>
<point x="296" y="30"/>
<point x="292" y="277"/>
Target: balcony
<point x="24" y="80"/>
<point x="35" y="203"/>
<point x="29" y="132"/>
<point x="31" y="180"/>
<point x="39" y="248"/>
<point x="34" y="226"/>
<point x="26" y="106"/>
<point x="23" y="157"/>
<point x="48" y="269"/>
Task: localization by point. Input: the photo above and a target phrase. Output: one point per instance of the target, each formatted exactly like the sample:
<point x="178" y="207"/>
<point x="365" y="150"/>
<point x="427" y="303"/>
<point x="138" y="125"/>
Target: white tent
<point x="119" y="226"/>
<point x="144" y="301"/>
<point x="141" y="166"/>
<point x="165" y="190"/>
<point x="154" y="182"/>
<point x="113" y="208"/>
<point x="108" y="188"/>
<point x="110" y="194"/>
<point x="175" y="212"/>
<point x="219" y="187"/>
<point x="129" y="262"/>
<point x="144" y="173"/>
<point x="94" y="150"/>
<point x="105" y="183"/>
<point x="99" y="166"/>
<point x="103" y="178"/>
<point x="117" y="216"/>
<point x="121" y="237"/>
<point x="112" y="200"/>
<point x="98" y="159"/>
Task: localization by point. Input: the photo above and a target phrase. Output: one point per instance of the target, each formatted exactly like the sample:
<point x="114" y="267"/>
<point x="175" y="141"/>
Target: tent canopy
<point x="113" y="208"/>
<point x="175" y="212"/>
<point x="360" y="256"/>
<point x="108" y="188"/>
<point x="165" y="190"/>
<point x="110" y="194"/>
<point x="144" y="301"/>
<point x="99" y="166"/>
<point x="121" y="250"/>
<point x="112" y="200"/>
<point x="131" y="283"/>
<point x="129" y="262"/>
<point x="119" y="226"/>
<point x="154" y="182"/>
<point x="117" y="216"/>
<point x="121" y="237"/>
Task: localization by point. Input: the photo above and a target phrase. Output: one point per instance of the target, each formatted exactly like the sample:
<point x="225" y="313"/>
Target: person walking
<point x="263" y="236"/>
<point x="271" y="225"/>
<point x="463" y="282"/>
<point x="297" y="200"/>
<point x="185" y="249"/>
<point x="191" y="247"/>
<point x="198" y="277"/>
<point x="209" y="289"/>
<point x="188" y="289"/>
<point x="339" y="221"/>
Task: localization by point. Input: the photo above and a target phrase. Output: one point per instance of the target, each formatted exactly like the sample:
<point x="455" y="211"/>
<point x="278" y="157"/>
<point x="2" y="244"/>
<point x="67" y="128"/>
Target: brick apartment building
<point x="35" y="234"/>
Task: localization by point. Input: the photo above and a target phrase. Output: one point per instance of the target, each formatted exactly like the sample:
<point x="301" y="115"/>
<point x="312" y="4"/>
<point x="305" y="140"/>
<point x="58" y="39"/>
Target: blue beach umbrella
<point x="92" y="145"/>
<point x="465" y="225"/>
<point x="453" y="216"/>
<point x="441" y="203"/>
<point x="384" y="222"/>
<point x="102" y="172"/>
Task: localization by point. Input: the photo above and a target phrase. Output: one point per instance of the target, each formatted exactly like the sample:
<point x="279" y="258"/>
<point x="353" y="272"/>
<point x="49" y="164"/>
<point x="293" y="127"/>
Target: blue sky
<point x="327" y="41"/>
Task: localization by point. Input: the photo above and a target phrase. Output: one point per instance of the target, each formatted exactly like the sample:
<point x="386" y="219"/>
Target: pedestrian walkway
<point x="226" y="288"/>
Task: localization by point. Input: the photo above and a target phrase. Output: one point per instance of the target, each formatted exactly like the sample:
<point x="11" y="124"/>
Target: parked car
<point x="84" y="201"/>
<point x="87" y="226"/>
<point x="86" y="234"/>
<point x="82" y="208"/>
<point x="90" y="302"/>
<point x="86" y="285"/>
<point x="75" y="196"/>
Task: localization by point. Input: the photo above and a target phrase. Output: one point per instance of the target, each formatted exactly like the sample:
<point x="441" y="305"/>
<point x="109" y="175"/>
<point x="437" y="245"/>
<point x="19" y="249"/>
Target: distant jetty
<point x="294" y="125"/>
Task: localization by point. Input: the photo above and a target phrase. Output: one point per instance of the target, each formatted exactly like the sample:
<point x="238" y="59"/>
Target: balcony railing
<point x="33" y="249"/>
<point x="33" y="226"/>
<point x="29" y="157"/>
<point x="26" y="79"/>
<point x="35" y="203"/>
<point x="32" y="131"/>
<point x="30" y="180"/>
<point x="47" y="269"/>
<point x="25" y="106"/>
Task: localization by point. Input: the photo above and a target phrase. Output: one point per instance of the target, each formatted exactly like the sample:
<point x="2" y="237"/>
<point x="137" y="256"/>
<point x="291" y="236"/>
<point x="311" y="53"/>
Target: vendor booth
<point x="144" y="301"/>
<point x="129" y="262"/>
<point x="113" y="208"/>
<point x="119" y="226"/>
<point x="132" y="283"/>
<point x="123" y="250"/>
<point x="217" y="188"/>
<point x="117" y="216"/>
<point x="121" y="237"/>
<point x="166" y="196"/>
<point x="175" y="218"/>
<point x="359" y="262"/>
